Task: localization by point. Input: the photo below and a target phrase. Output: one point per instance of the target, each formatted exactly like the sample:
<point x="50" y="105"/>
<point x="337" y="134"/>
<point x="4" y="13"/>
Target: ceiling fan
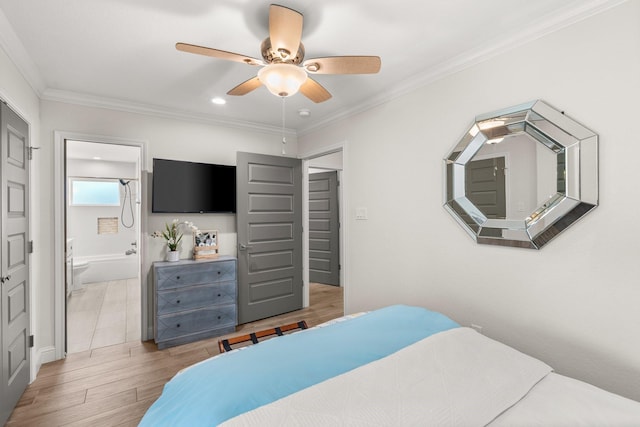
<point x="284" y="70"/>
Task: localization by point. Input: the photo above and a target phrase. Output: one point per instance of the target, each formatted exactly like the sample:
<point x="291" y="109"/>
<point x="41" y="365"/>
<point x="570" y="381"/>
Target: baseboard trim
<point x="46" y="355"/>
<point x="40" y="357"/>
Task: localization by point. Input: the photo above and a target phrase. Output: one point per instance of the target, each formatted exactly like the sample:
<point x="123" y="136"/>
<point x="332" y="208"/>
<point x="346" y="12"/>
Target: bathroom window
<point x="95" y="192"/>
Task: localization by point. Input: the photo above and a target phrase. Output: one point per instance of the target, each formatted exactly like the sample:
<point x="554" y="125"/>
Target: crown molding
<point x="569" y="16"/>
<point x="156" y="111"/>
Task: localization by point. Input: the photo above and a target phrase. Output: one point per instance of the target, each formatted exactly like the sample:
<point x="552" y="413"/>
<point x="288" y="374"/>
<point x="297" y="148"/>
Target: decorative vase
<point x="173" y="256"/>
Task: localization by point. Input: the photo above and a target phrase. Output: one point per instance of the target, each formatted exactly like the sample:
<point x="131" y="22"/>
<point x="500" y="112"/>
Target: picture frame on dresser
<point x="205" y="244"/>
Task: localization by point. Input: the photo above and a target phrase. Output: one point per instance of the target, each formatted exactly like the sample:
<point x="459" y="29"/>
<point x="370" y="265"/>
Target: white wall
<point x="85" y="168"/>
<point x="575" y="303"/>
<point x="331" y="161"/>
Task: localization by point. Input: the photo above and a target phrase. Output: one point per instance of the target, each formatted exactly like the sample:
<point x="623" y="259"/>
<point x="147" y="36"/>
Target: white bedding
<point x="453" y="378"/>
<point x="561" y="401"/>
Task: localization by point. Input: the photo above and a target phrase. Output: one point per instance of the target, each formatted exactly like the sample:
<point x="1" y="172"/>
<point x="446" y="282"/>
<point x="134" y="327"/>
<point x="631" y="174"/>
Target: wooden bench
<point x="225" y="344"/>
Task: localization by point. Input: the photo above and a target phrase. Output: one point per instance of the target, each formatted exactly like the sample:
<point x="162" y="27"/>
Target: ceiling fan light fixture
<point x="282" y="79"/>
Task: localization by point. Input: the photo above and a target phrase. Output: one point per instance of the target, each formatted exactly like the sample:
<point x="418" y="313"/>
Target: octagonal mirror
<point x="522" y="175"/>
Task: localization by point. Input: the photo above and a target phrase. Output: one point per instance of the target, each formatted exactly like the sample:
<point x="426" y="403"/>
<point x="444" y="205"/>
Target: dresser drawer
<point x="196" y="274"/>
<point x="192" y="322"/>
<point x="181" y="299"/>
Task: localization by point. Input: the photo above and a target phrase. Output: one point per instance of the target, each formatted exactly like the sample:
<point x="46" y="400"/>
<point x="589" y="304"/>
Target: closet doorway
<point x="324" y="227"/>
<point x="102" y="290"/>
<point x="325" y="189"/>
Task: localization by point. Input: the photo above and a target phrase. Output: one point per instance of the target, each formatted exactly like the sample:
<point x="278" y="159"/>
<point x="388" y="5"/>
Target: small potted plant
<point x="173" y="236"/>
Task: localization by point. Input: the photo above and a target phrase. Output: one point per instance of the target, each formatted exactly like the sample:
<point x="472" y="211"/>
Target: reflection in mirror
<point x="520" y="176"/>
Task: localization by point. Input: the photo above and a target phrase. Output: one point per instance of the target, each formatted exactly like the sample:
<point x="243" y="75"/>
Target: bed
<point x="396" y="366"/>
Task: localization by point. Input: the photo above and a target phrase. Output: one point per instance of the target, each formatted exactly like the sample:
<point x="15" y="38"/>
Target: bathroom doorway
<point x="102" y="227"/>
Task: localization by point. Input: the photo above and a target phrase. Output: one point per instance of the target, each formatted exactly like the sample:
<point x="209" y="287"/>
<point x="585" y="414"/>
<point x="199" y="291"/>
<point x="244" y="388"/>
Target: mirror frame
<point x="576" y="148"/>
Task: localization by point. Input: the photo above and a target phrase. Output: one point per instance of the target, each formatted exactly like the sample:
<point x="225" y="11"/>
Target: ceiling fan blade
<point x="216" y="53"/>
<point x="245" y="87"/>
<point x="343" y="65"/>
<point x="285" y="30"/>
<point x="314" y="91"/>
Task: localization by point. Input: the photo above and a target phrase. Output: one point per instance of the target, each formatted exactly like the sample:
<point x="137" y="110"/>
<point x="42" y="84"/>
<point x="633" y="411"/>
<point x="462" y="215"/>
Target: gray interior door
<point x="14" y="274"/>
<point x="269" y="225"/>
<point x="486" y="186"/>
<point x="324" y="229"/>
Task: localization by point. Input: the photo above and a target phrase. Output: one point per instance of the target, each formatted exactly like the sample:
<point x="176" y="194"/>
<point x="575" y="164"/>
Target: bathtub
<point x="103" y="268"/>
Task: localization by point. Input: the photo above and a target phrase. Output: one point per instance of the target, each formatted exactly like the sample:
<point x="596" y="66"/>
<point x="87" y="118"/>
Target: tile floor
<point x="103" y="314"/>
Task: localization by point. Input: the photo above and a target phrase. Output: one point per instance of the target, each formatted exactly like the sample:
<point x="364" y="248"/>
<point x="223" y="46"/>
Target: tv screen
<point x="189" y="187"/>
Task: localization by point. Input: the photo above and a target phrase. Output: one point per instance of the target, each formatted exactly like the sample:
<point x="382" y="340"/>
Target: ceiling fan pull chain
<point x="284" y="139"/>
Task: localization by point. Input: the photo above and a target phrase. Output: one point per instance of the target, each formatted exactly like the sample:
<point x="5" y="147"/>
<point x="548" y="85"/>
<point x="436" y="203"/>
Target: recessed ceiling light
<point x="304" y="112"/>
<point x="219" y="101"/>
<point x="97" y="158"/>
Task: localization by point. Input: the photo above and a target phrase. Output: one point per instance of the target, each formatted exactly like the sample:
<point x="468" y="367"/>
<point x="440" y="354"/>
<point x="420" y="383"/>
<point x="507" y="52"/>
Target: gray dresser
<point x="194" y="300"/>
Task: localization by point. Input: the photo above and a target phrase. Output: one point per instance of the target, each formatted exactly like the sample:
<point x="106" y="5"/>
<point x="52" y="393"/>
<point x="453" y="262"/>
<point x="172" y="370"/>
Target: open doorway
<point x="102" y="235"/>
<point x="325" y="255"/>
<point x="324" y="227"/>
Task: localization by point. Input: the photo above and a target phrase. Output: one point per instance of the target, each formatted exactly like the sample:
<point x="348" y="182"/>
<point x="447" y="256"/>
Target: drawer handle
<point x="178" y="302"/>
<point x="178" y="325"/>
<point x="219" y="317"/>
<point x="219" y="295"/>
<point x="177" y="277"/>
<point x="219" y="272"/>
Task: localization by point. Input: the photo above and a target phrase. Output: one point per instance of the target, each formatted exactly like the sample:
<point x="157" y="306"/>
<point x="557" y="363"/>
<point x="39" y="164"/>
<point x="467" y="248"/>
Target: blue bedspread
<point x="227" y="385"/>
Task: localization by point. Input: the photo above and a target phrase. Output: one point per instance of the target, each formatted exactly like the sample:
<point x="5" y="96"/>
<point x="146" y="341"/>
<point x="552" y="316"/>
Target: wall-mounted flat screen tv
<point x="189" y="187"/>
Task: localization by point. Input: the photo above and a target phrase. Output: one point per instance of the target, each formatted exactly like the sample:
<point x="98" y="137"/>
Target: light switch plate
<point x="361" y="213"/>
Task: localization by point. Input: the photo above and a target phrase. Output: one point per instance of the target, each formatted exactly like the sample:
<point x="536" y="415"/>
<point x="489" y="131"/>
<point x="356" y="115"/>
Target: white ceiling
<point x="121" y="54"/>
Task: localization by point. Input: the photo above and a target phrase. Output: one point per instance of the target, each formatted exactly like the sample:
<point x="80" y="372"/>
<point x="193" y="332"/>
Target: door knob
<point x="5" y="279"/>
<point x="244" y="247"/>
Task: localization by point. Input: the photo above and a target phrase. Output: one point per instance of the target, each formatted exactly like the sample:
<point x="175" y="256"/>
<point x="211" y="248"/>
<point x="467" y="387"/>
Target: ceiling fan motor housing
<point x="271" y="54"/>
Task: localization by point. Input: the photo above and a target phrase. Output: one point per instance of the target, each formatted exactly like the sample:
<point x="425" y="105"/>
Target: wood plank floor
<point x="114" y="386"/>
